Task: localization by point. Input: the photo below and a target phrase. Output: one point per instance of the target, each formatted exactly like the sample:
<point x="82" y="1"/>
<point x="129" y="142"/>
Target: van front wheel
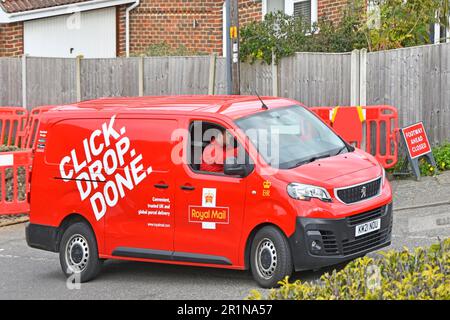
<point x="78" y="253"/>
<point x="270" y="259"/>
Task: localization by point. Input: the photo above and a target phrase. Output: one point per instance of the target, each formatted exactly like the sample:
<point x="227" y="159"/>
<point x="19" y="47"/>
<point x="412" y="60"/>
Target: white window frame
<point x="447" y="31"/>
<point x="437" y="31"/>
<point x="264" y="8"/>
<point x="289" y="9"/>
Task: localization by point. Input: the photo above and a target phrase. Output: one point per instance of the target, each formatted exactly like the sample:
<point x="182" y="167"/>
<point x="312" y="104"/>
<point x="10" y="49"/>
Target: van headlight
<point x="383" y="176"/>
<point x="306" y="192"/>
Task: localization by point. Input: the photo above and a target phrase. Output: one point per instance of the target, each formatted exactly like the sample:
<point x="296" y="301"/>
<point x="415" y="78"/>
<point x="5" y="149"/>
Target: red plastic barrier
<point x="13" y="122"/>
<point x="372" y="128"/>
<point x="32" y="126"/>
<point x="15" y="170"/>
<point x="17" y="128"/>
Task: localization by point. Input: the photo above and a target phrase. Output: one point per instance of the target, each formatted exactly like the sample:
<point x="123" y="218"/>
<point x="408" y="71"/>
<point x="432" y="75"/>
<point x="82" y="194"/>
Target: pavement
<point x="421" y="215"/>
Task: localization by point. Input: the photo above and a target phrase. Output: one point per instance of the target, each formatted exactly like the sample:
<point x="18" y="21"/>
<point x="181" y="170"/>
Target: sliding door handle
<point x="187" y="188"/>
<point x="161" y="186"/>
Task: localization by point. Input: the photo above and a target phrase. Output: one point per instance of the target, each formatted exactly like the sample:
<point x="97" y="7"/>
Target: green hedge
<point x="398" y="275"/>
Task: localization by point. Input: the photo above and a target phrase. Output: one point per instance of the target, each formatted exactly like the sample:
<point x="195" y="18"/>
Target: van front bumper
<point x="318" y="243"/>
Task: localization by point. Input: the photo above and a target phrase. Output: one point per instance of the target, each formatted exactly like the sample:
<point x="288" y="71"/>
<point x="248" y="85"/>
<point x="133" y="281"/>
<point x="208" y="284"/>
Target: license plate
<point x="367" y="227"/>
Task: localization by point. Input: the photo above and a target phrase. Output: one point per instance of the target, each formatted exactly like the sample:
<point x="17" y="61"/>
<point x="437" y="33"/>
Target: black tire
<point x="79" y="240"/>
<point x="270" y="257"/>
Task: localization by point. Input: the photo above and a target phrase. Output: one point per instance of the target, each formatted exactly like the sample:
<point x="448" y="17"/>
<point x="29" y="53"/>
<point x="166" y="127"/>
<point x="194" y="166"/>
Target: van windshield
<point x="291" y="136"/>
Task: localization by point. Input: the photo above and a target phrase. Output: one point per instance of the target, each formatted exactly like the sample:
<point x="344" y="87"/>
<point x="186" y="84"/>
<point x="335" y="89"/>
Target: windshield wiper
<point x="341" y="149"/>
<point x="312" y="159"/>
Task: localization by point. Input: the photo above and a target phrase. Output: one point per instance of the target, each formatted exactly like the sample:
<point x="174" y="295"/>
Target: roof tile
<point x="14" y="6"/>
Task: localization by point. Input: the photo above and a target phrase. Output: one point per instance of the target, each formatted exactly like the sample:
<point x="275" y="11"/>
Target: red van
<point x="220" y="181"/>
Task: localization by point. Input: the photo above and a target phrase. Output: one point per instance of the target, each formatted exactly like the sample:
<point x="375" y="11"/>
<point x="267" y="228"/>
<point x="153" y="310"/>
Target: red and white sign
<point x="416" y="140"/>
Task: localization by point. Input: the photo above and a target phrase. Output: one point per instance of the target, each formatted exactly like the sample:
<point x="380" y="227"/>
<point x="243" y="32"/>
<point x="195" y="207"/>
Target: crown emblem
<point x="209" y="198"/>
<point x="266" y="184"/>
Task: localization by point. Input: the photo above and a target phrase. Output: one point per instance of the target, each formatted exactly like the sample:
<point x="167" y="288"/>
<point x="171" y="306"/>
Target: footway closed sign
<point x="416" y="140"/>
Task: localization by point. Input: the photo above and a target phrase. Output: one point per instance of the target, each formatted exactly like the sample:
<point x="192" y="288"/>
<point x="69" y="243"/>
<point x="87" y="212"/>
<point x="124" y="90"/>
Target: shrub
<point x="442" y="156"/>
<point x="4" y="148"/>
<point x="399" y="275"/>
<point x="389" y="24"/>
<point x="164" y="49"/>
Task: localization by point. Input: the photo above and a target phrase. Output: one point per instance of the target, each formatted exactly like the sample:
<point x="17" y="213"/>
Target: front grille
<point x="329" y="241"/>
<point x="365" y="242"/>
<point x="360" y="192"/>
<point x="365" y="216"/>
<point x="345" y="243"/>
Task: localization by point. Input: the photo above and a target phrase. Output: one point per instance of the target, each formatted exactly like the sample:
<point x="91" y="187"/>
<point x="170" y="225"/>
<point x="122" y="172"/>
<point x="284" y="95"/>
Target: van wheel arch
<point x="70" y="220"/>
<point x="248" y="244"/>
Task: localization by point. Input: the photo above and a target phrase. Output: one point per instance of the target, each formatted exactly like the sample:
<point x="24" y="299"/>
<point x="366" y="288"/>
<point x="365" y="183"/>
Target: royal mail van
<point x="232" y="182"/>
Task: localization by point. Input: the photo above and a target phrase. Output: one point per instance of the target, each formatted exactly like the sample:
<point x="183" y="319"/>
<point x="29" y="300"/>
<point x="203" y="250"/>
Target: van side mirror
<point x="233" y="168"/>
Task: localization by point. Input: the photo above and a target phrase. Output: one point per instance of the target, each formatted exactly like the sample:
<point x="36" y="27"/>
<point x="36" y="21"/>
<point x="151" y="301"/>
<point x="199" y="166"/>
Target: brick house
<point x="110" y="28"/>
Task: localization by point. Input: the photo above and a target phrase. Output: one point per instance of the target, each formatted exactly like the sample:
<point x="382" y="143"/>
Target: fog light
<point x="316" y="246"/>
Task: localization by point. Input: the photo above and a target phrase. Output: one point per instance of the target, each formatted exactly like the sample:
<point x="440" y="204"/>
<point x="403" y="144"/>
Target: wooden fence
<point x="415" y="80"/>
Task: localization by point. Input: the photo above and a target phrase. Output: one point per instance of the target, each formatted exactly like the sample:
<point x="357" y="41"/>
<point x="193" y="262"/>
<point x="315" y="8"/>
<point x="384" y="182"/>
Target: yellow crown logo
<point x="209" y="198"/>
<point x="266" y="184"/>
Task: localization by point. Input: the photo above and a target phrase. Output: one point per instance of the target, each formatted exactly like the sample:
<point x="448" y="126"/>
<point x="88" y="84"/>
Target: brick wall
<point x="120" y="31"/>
<point x="11" y="39"/>
<point x="156" y="21"/>
<point x="249" y="11"/>
<point x="331" y="9"/>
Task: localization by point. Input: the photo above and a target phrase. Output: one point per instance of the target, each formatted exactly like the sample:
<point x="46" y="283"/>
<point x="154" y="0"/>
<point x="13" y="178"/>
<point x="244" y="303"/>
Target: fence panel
<point x="414" y="80"/>
<point x="316" y="79"/>
<point x="50" y="81"/>
<point x="221" y="76"/>
<point x="256" y="76"/>
<point x="10" y="82"/>
<point x="176" y="75"/>
<point x="109" y="77"/>
<point x="417" y="82"/>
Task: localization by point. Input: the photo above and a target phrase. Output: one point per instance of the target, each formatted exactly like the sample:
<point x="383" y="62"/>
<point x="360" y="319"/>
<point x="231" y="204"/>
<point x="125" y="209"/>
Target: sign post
<point x="418" y="145"/>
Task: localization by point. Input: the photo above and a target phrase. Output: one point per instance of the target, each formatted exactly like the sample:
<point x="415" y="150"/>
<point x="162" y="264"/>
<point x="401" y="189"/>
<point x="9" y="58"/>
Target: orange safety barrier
<point x="17" y="128"/>
<point x="13" y="122"/>
<point x="372" y="128"/>
<point x="32" y="126"/>
<point x="15" y="170"/>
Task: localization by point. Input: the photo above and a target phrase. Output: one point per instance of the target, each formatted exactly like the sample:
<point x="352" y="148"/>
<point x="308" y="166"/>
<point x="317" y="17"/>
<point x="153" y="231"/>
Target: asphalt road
<point x="27" y="273"/>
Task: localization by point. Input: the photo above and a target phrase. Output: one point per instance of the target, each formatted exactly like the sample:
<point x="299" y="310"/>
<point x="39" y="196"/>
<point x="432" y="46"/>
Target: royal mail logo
<point x="219" y="215"/>
<point x="94" y="168"/>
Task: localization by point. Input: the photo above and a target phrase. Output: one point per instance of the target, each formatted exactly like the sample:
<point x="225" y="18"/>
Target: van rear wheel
<point x="78" y="253"/>
<point x="270" y="257"/>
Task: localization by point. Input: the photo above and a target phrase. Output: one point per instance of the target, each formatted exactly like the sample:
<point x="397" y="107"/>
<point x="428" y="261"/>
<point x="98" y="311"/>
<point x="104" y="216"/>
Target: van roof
<point x="231" y="106"/>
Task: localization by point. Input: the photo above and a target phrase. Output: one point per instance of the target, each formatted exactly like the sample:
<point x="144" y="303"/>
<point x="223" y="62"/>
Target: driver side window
<point x="210" y="145"/>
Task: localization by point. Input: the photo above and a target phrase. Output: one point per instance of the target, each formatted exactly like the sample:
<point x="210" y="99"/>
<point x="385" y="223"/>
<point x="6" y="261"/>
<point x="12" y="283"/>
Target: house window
<point x="307" y="9"/>
<point x="302" y="9"/>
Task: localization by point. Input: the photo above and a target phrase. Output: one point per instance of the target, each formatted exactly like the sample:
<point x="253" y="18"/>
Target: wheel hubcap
<point x="266" y="258"/>
<point x="77" y="253"/>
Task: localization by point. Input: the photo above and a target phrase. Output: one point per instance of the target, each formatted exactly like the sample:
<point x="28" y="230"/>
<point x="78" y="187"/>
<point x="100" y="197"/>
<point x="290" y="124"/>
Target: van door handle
<point x="161" y="186"/>
<point x="187" y="188"/>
